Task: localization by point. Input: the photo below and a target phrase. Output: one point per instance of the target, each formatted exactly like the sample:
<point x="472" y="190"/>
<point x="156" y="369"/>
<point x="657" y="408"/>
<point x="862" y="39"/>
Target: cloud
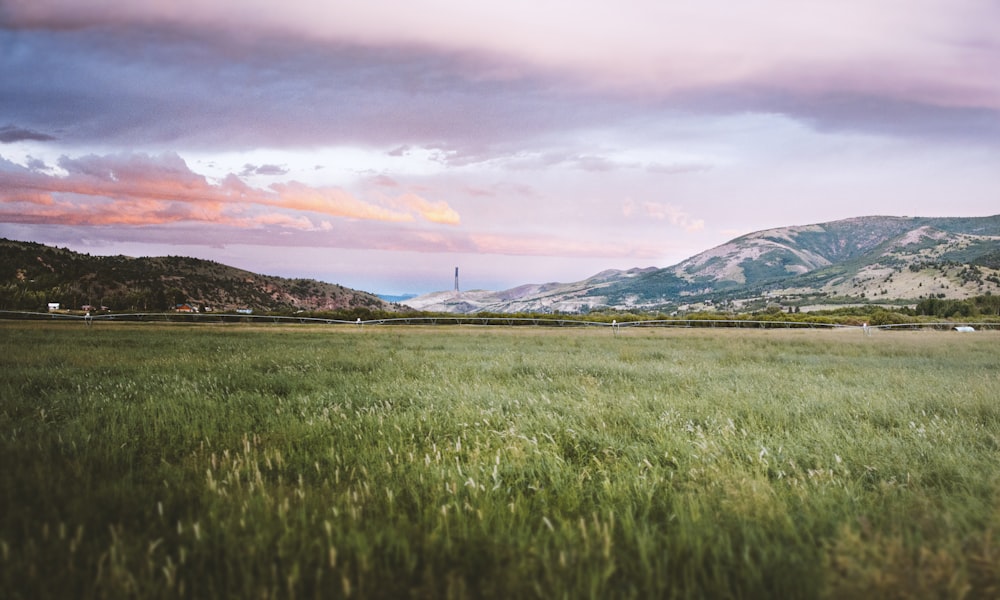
<point x="592" y="163"/>
<point x="284" y="221"/>
<point x="601" y="164"/>
<point x="942" y="51"/>
<point x="663" y="212"/>
<point x="140" y="189"/>
<point x="36" y="164"/>
<point x="10" y="134"/>
<point x="304" y="75"/>
<point x="487" y="83"/>
<point x="330" y="201"/>
<point x="249" y="169"/>
<point x="435" y="212"/>
<point x="194" y="87"/>
<point x="384" y="181"/>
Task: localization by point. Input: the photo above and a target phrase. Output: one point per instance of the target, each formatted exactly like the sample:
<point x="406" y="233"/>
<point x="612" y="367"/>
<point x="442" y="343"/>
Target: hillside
<point x="32" y="275"/>
<point x="864" y="259"/>
<point x="877" y="259"/>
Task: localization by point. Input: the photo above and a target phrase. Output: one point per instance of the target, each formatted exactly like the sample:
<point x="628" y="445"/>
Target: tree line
<point x="986" y="305"/>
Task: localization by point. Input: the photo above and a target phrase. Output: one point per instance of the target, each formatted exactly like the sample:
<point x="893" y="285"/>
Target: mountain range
<point x="863" y="260"/>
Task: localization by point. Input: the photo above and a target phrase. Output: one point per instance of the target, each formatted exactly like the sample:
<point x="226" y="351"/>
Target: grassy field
<point x="212" y="461"/>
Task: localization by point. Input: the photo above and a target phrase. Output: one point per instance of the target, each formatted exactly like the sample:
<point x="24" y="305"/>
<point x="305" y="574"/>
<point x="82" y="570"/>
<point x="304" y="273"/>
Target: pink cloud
<point x="27" y="196"/>
<point x="138" y="189"/>
<point x="329" y="201"/>
<point x="435" y="212"/>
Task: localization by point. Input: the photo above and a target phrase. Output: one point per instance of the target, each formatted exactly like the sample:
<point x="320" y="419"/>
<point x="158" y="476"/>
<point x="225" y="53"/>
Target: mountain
<point x="31" y="275"/>
<point x="876" y="259"/>
<point x="530" y="298"/>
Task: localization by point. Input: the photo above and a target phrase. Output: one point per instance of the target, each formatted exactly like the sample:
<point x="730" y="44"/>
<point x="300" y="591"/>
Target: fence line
<point x="171" y="317"/>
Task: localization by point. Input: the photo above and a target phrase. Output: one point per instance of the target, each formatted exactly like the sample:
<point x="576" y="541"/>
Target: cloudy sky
<point x="380" y="144"/>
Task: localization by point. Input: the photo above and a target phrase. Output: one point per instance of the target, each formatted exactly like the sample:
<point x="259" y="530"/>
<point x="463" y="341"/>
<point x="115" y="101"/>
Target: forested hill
<point x="33" y="275"/>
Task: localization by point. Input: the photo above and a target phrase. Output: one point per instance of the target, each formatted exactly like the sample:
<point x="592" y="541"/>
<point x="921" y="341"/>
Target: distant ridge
<point x="32" y="275"/>
<point x="862" y="260"/>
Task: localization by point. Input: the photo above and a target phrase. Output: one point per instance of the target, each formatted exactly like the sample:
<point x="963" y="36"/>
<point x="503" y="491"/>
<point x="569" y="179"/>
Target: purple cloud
<point x="249" y="169"/>
<point x="122" y="79"/>
<point x="10" y="134"/>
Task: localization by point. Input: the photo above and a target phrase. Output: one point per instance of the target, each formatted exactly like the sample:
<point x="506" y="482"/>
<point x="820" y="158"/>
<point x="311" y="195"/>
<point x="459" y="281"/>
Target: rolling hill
<point x="32" y="275"/>
<point x="876" y="259"/>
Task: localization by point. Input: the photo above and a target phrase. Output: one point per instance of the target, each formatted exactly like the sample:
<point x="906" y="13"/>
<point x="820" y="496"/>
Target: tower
<point x="456" y="279"/>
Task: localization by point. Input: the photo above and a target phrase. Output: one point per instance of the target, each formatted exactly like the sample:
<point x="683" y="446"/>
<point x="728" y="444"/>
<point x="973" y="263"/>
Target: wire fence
<point x="541" y="321"/>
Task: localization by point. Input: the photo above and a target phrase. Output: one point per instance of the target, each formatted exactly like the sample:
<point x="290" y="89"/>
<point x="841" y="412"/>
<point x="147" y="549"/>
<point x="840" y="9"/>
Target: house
<point x="53" y="306"/>
<point x="184" y="308"/>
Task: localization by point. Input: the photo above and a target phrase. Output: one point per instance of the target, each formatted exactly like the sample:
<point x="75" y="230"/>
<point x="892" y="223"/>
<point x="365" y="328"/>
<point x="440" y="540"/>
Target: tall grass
<point x="268" y="461"/>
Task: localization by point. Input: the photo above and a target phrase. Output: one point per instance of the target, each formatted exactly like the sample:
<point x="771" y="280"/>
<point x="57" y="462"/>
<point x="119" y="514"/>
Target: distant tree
<point x="159" y="300"/>
<point x="927" y="306"/>
<point x="987" y="304"/>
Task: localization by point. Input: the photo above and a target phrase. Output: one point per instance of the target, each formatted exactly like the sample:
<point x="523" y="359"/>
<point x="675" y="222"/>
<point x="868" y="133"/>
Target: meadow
<point x="273" y="461"/>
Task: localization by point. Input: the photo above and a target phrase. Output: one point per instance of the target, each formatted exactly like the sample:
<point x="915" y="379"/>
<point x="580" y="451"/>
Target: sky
<point x="381" y="144"/>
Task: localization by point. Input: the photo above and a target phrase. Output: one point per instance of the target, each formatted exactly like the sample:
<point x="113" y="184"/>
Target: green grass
<point x="161" y="461"/>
